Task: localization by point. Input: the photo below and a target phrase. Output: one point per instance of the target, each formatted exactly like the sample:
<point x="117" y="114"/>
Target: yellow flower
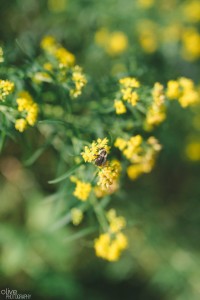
<point x="191" y="44"/>
<point x="117" y="43"/>
<point x="48" y="43"/>
<point x="82" y="189"/>
<point x="133" y="148"/>
<point x="114" y="43"/>
<point x="173" y="89"/>
<point x="100" y="193"/>
<point x="110" y="248"/>
<point x="120" y="143"/>
<point x="48" y="66"/>
<point x="79" y="81"/>
<point x="65" y="58"/>
<point x="109" y="174"/>
<point x="32" y="114"/>
<point x="76" y="215"/>
<point x="129" y="82"/>
<point x="20" y="125"/>
<point x="116" y="224"/>
<point x="189" y="95"/>
<point x="120" y="107"/>
<point x="26" y="104"/>
<point x="91" y="153"/>
<point x="134" y="171"/>
<point x="6" y="88"/>
<point x="156" y="112"/>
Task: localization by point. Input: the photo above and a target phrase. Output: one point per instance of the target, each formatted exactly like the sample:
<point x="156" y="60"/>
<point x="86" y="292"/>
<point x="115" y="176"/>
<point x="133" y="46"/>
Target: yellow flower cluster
<point x="131" y="148"/>
<point x="92" y="152"/>
<point x="128" y="86"/>
<point x="76" y="216"/>
<point x="109" y="245"/>
<point x="184" y="90"/>
<point x="119" y="107"/>
<point x="156" y="113"/>
<point x="140" y="153"/>
<point x="114" y="43"/>
<point x="79" y="81"/>
<point x="82" y="189"/>
<point x="6" y="88"/>
<point x="109" y="174"/>
<point x="62" y="55"/>
<point x="191" y="44"/>
<point x="99" y="192"/>
<point x="1" y="55"/>
<point x="29" y="110"/>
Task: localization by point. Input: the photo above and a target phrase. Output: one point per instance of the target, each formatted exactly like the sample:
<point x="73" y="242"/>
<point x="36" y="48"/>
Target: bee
<point x="101" y="158"/>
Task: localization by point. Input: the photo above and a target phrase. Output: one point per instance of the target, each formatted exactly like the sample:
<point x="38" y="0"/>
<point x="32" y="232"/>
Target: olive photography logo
<point x="13" y="294"/>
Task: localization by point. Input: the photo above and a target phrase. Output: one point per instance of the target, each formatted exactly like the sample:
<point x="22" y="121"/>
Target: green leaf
<point x="81" y="234"/>
<point x="35" y="156"/>
<point x="65" y="175"/>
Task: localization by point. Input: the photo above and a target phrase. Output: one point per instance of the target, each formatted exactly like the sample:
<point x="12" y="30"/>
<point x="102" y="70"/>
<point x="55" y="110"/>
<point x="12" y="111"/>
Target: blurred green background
<point x="162" y="208"/>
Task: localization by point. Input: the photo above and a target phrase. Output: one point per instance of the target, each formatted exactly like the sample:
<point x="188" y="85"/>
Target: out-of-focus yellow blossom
<point x="48" y="43"/>
<point x="110" y="248"/>
<point x="48" y="66"/>
<point x="148" y="36"/>
<point x="6" y="88"/>
<point x="156" y="113"/>
<point x="76" y="216"/>
<point x="145" y="3"/>
<point x="79" y="81"/>
<point x="129" y="82"/>
<point x="173" y="89"/>
<point x="193" y="151"/>
<point x="82" y="189"/>
<point x="184" y="90"/>
<point x="116" y="223"/>
<point x="29" y="107"/>
<point x="189" y="95"/>
<point x="120" y="107"/>
<point x="1" y="55"/>
<point x="57" y="5"/>
<point x="64" y="57"/>
<point x="146" y="161"/>
<point x="191" y="11"/>
<point x="108" y="174"/>
<point x="191" y="44"/>
<point x="132" y="147"/>
<point x="120" y="143"/>
<point x="134" y="171"/>
<point x="100" y="193"/>
<point x="127" y="88"/>
<point x="117" y="44"/>
<point x="140" y="153"/>
<point x="92" y="152"/>
<point x="114" y="43"/>
<point x="20" y="125"/>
